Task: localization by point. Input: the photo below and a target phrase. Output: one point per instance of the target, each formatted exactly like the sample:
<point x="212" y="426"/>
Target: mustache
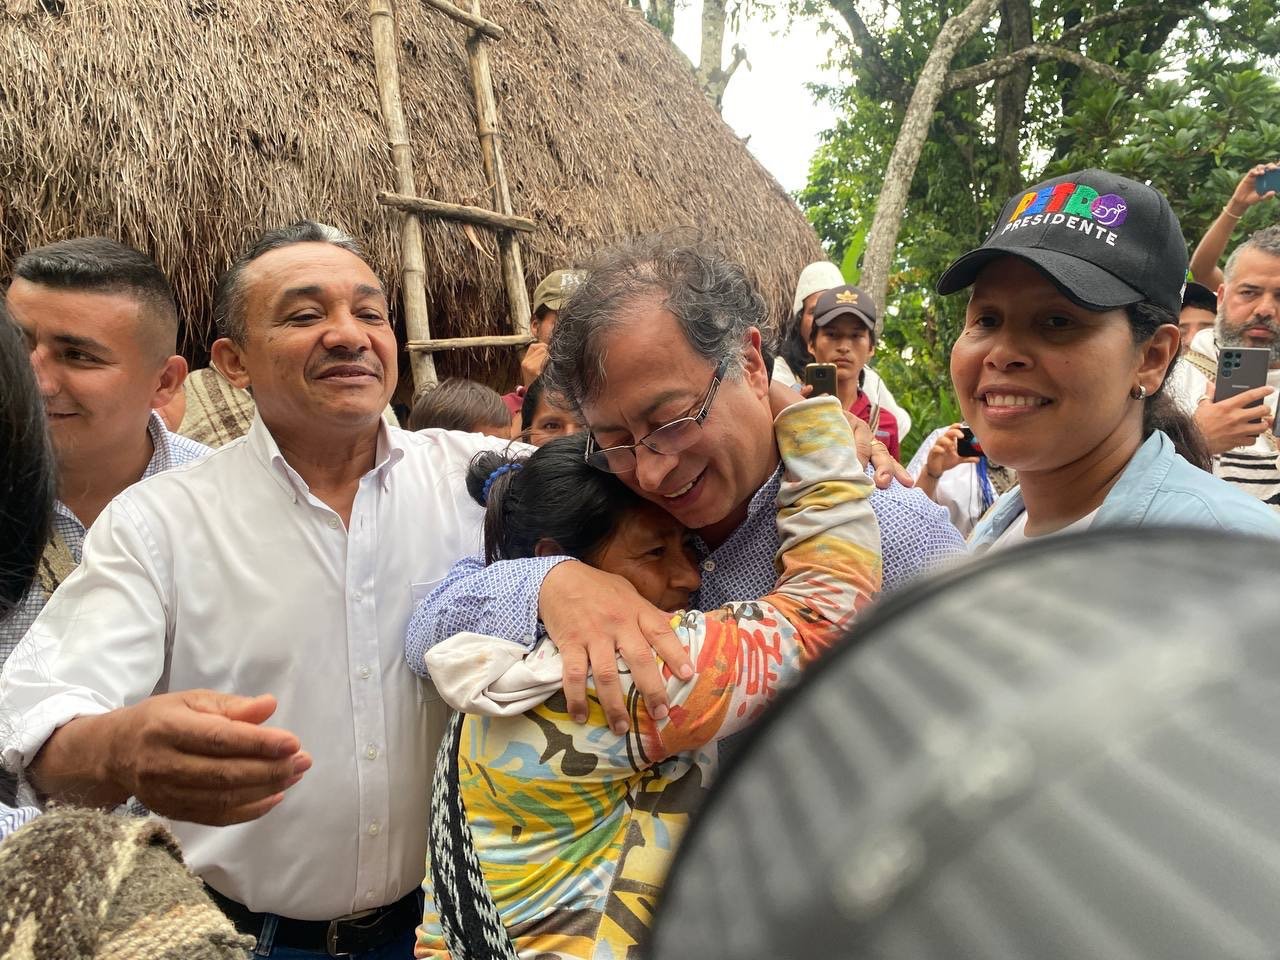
<point x="347" y="358"/>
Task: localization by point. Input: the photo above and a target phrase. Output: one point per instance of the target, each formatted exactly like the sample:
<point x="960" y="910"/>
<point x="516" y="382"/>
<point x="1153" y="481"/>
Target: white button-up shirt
<point x="229" y="575"/>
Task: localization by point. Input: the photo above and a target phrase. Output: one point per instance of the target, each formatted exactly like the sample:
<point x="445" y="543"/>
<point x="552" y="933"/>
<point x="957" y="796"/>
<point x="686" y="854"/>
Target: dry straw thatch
<point x="185" y="126"/>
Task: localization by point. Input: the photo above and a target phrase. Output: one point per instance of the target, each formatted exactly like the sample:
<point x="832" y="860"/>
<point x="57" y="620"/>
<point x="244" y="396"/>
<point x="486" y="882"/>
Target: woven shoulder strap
<point x="472" y="927"/>
<point x="1202" y="362"/>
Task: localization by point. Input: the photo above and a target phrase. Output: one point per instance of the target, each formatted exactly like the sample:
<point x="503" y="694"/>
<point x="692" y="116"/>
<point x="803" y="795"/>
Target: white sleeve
<point x="479" y="674"/>
<point x="98" y="644"/>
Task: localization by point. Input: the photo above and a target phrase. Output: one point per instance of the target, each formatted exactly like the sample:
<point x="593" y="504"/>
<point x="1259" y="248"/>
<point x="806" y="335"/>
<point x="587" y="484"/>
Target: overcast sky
<point x="769" y="102"/>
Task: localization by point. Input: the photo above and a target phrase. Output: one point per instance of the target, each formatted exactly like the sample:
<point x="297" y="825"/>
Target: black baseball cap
<point x="844" y="301"/>
<point x="1199" y="296"/>
<point x="1106" y="241"/>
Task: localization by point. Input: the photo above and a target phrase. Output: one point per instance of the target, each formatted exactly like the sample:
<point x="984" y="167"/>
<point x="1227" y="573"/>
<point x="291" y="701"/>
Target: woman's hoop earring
<point x="1139" y="392"/>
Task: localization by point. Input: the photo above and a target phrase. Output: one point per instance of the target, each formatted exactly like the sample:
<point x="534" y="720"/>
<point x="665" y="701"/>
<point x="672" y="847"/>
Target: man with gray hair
<point x="273" y="579"/>
<point x="659" y="348"/>
<point x="1240" y="434"/>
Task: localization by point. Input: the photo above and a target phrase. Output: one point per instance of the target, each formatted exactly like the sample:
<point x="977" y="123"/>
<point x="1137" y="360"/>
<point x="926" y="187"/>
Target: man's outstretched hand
<point x="196" y="755"/>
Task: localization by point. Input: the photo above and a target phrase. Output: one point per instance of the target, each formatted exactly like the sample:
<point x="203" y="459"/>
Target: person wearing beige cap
<point x="793" y="340"/>
<point x="548" y="296"/>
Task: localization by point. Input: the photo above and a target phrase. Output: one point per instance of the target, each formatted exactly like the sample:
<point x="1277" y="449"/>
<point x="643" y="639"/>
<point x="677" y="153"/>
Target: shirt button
<point x="369" y="895"/>
<point x="333" y="523"/>
<point x="374" y="828"/>
<point x="365" y="672"/>
<point x="357" y="596"/>
<point x="709" y="565"/>
<point x="371" y="752"/>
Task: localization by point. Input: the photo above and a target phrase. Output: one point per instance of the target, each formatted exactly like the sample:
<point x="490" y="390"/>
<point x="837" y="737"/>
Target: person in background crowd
<point x="844" y="333"/>
<point x="1199" y="311"/>
<point x="966" y="486"/>
<point x="546" y="415"/>
<point x="793" y="340"/>
<point x="102" y="327"/>
<point x="574" y="873"/>
<point x="458" y="404"/>
<point x="1239" y="430"/>
<point x="273" y="578"/>
<point x="693" y="434"/>
<point x="548" y="297"/>
<point x="1069" y="336"/>
<point x="1209" y="251"/>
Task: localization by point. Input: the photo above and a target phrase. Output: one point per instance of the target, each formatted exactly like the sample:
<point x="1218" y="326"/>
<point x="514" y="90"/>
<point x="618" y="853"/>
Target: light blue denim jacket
<point x="1157" y="489"/>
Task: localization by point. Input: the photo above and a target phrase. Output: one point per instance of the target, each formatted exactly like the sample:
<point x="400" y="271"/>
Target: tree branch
<point x="869" y="52"/>
<point x="1112" y="17"/>
<point x="877" y="258"/>
<point x="1035" y="53"/>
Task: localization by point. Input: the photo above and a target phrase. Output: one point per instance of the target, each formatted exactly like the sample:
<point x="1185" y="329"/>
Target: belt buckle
<point x="331" y="935"/>
<point x="331" y="940"/>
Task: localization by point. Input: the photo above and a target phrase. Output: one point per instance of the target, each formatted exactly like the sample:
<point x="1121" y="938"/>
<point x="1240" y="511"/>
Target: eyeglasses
<point x="668" y="440"/>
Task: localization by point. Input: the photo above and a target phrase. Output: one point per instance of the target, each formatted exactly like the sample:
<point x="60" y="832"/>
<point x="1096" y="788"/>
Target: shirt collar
<point x="1127" y="502"/>
<point x="263" y="445"/>
<point x="162" y="447"/>
<point x="766" y="496"/>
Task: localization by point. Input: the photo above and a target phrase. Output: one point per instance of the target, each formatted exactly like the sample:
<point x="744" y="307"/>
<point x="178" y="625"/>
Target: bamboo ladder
<point x="411" y="207"/>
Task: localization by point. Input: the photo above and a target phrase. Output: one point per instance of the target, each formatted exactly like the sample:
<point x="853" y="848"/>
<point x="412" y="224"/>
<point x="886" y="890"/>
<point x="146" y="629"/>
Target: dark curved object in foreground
<point x="26" y="468"/>
<point x="1066" y="752"/>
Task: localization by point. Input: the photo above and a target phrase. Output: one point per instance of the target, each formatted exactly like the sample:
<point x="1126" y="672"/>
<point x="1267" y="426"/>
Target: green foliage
<point x="1203" y="105"/>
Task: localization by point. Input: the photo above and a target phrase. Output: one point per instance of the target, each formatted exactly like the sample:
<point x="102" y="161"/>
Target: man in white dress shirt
<point x="273" y="579"/>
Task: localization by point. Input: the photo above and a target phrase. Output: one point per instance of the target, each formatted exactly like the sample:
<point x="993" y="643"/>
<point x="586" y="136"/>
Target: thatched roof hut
<point x="184" y="126"/>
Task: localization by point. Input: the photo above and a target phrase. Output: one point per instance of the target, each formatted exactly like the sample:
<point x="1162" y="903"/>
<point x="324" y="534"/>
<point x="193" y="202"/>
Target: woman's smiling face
<point x="1041" y="380"/>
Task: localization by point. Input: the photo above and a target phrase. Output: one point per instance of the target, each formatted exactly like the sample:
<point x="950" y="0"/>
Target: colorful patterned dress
<point x="574" y="827"/>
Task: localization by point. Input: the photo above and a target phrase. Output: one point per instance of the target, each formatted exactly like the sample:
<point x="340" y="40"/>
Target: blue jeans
<point x="399" y="949"/>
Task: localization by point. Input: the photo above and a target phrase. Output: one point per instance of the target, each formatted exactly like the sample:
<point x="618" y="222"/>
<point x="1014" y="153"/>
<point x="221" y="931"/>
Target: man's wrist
<point x="1228" y="212"/>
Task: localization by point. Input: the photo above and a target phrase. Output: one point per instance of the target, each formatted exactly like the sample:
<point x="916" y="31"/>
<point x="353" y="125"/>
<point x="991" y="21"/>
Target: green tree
<point x="1185" y="96"/>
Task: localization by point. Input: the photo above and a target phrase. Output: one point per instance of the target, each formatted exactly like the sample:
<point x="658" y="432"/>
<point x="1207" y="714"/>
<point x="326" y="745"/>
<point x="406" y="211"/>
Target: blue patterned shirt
<point x="11" y="818"/>
<point x="171" y="450"/>
<point x="501" y="599"/>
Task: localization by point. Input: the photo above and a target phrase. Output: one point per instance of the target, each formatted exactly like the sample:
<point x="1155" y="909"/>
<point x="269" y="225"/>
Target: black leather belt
<point x="339" y="938"/>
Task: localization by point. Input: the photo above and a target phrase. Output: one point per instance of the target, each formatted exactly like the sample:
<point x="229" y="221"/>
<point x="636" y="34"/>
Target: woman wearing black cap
<point x="1070" y="332"/>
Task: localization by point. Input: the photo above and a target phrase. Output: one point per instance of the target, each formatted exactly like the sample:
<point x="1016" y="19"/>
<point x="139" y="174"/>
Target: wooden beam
<point x="474" y="21"/>
<point x="453" y="211"/>
<point x="491" y="154"/>
<point x="463" y="343"/>
<point x="413" y="272"/>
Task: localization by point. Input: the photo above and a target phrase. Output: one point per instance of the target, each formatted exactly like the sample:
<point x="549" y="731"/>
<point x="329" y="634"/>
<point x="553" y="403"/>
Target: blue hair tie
<point x="505" y="468"/>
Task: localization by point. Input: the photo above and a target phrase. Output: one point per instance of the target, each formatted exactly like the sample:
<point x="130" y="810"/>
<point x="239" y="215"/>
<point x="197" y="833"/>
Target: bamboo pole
<point x="452" y="211"/>
<point x="413" y="274"/>
<point x="472" y="20"/>
<point x="491" y="155"/>
<point x="462" y="343"/>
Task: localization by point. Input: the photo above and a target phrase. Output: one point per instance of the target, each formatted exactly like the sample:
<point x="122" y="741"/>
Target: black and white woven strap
<point x="469" y="918"/>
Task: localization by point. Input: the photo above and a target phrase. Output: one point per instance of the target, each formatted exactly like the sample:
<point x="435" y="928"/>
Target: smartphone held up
<point x="822" y="377"/>
<point x="968" y="445"/>
<point x="1267" y="182"/>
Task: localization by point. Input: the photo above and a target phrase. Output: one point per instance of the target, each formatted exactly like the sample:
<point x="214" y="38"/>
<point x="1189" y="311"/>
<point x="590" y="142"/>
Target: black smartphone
<point x="1241" y="369"/>
<point x="822" y="377"/>
<point x="1268" y="181"/>
<point x="968" y="445"/>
